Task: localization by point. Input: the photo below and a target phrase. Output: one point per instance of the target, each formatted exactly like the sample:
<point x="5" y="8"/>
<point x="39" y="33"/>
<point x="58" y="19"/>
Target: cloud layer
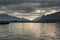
<point x="28" y="6"/>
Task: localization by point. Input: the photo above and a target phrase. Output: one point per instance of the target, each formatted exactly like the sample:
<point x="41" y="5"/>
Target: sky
<point x="29" y="8"/>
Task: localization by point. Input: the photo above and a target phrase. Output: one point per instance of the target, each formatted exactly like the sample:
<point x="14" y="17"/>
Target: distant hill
<point x="6" y="17"/>
<point x="40" y="18"/>
<point x="36" y="19"/>
<point x="55" y="17"/>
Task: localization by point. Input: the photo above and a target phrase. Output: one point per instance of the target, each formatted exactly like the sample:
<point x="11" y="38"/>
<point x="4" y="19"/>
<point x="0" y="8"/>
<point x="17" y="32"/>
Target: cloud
<point x="2" y="12"/>
<point x="29" y="8"/>
<point x="12" y="6"/>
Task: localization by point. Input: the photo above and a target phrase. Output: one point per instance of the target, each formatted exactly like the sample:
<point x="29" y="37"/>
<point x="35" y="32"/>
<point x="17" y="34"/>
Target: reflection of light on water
<point x="30" y="30"/>
<point x="4" y="30"/>
<point x="50" y="29"/>
<point x="33" y="28"/>
<point x="15" y="28"/>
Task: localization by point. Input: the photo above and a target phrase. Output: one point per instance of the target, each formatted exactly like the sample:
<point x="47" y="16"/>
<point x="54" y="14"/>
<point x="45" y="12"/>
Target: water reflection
<point x="28" y="31"/>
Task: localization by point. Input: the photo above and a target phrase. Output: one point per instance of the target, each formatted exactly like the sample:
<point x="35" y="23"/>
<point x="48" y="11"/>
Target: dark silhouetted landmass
<point x="51" y="18"/>
<point x="5" y="18"/>
<point x="4" y="22"/>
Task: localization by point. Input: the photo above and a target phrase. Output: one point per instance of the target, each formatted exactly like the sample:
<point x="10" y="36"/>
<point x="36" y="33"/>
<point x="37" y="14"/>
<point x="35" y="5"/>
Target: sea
<point x="30" y="31"/>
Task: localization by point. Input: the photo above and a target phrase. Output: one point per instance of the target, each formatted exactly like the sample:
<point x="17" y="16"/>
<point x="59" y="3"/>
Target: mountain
<point x="40" y="18"/>
<point x="6" y="17"/>
<point x="54" y="17"/>
<point x="36" y="19"/>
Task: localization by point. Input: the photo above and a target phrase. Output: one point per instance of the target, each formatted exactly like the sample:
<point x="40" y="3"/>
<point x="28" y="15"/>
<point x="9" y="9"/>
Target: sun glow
<point x="28" y="17"/>
<point x="31" y="17"/>
<point x="25" y="16"/>
<point x="50" y="12"/>
<point x="38" y="11"/>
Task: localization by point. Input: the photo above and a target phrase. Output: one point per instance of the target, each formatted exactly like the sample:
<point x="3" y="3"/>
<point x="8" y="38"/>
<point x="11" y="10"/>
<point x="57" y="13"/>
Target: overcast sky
<point x="29" y="7"/>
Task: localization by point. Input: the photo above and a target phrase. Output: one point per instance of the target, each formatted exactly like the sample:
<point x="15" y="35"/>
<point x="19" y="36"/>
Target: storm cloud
<point x="28" y="6"/>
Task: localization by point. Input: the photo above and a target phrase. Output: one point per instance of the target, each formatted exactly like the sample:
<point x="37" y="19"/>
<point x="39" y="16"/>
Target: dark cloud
<point x="51" y="4"/>
<point x="23" y="9"/>
<point x="28" y="6"/>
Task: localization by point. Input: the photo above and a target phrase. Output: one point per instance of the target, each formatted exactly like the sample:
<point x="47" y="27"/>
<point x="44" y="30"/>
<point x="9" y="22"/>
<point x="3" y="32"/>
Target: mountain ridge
<point x="50" y="18"/>
<point x="6" y="17"/>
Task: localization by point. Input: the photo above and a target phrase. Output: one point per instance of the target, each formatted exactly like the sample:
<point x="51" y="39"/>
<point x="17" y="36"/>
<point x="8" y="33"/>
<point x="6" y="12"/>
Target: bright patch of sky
<point x="34" y="14"/>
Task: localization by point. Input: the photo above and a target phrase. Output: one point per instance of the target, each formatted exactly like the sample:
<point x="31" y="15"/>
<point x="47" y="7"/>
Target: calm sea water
<point x="30" y="31"/>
